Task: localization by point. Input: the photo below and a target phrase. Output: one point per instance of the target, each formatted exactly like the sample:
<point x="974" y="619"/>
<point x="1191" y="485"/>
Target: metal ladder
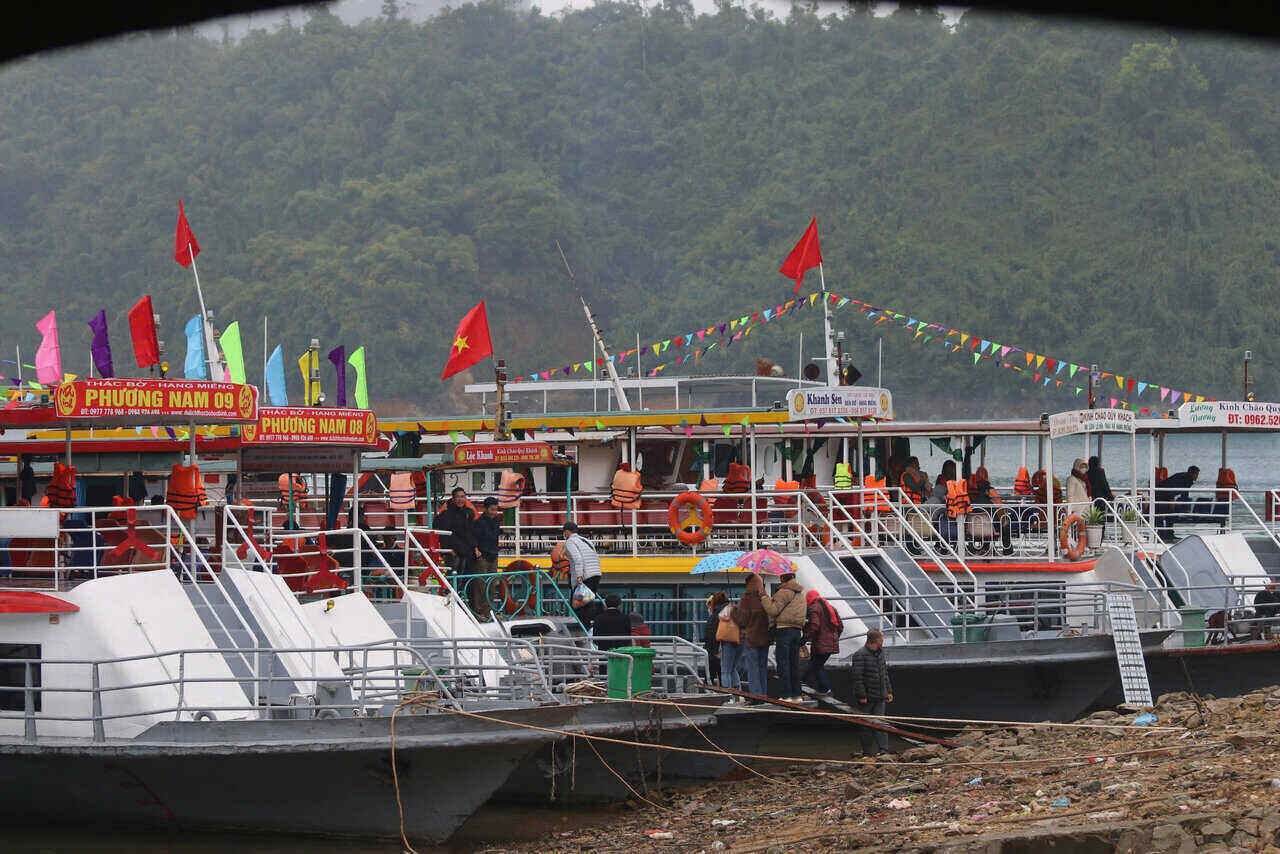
<point x="1133" y="666"/>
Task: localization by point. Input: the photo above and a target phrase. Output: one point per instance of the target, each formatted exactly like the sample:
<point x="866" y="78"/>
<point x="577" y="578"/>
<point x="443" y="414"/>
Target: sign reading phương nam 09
<point x="1257" y="415"/>
<point x="806" y="404"/>
<point x="176" y="400"/>
<point x="311" y="425"/>
<point x="1090" y="421"/>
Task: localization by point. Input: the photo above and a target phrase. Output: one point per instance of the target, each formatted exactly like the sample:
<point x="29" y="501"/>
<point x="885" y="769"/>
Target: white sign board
<point x="1090" y="421"/>
<point x="29" y="522"/>
<point x="848" y="401"/>
<point x="1230" y="413"/>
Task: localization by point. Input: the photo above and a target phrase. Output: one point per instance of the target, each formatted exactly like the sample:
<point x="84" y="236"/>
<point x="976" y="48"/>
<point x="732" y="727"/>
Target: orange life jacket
<point x="781" y="485"/>
<point x="510" y="489"/>
<point x="957" y="497"/>
<point x="739" y="479"/>
<point x="299" y="488"/>
<point x="913" y="487"/>
<point x="1037" y="483"/>
<point x="62" y="489"/>
<point x="400" y="493"/>
<point x="878" y="500"/>
<point x="1162" y="473"/>
<point x="626" y="488"/>
<point x="1022" y="484"/>
<point x="709" y="484"/>
<point x="1226" y="483"/>
<point x="186" y="490"/>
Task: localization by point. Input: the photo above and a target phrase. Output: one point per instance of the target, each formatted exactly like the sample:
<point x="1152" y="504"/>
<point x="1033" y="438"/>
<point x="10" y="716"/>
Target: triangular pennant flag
<point x="1173" y="396"/>
<point x="1004" y="351"/>
<point x="1113" y="403"/>
<point x="1031" y="357"/>
<point x="725" y="429"/>
<point x="1141" y="388"/>
<point x="976" y="357"/>
<point x="1079" y="389"/>
<point x="964" y="338"/>
<point x="1039" y="361"/>
<point x="1058" y="368"/>
<point x="1072" y="370"/>
<point x="1164" y="392"/>
<point x="1119" y="381"/>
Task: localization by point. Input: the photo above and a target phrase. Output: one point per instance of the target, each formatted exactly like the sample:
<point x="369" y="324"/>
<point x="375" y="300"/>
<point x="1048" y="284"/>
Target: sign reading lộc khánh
<point x="806" y="404"/>
<point x="1258" y="415"/>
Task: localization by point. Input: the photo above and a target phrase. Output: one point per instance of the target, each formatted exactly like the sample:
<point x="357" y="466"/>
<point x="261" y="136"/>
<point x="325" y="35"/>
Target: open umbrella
<point x="766" y="562"/>
<point x="718" y="562"/>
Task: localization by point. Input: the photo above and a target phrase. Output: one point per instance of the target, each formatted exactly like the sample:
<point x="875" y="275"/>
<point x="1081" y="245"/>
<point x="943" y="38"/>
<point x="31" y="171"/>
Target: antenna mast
<point x="623" y="403"/>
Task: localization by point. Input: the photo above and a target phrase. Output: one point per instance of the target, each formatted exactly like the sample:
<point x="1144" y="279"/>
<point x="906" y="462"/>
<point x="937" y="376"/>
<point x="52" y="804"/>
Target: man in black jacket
<point x="871" y="689"/>
<point x="1266" y="604"/>
<point x="1173" y="497"/>
<point x="611" y="622"/>
<point x="459" y="520"/>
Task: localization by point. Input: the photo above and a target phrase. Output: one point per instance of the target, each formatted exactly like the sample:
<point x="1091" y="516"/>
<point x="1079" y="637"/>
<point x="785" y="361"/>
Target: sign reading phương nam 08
<point x="1258" y="415"/>
<point x="1090" y="421"/>
<point x="806" y="404"/>
<point x="311" y="425"/>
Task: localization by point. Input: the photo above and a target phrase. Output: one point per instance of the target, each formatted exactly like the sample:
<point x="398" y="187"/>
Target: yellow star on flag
<point x="460" y="343"/>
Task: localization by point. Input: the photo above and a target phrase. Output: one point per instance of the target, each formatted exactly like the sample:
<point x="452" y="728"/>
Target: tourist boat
<point x="156" y="650"/>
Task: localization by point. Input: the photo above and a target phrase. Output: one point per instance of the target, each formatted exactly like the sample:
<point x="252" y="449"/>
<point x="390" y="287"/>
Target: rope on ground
<point x="967" y="721"/>
<point x="1087" y="757"/>
<point x="725" y="753"/>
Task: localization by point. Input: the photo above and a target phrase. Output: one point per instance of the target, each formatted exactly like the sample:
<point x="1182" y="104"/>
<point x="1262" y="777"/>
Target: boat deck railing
<point x="381" y="676"/>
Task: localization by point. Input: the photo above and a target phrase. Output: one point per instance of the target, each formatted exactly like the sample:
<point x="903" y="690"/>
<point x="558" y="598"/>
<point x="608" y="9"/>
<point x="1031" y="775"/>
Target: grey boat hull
<point x="331" y="777"/>
<point x="569" y="771"/>
<point x="1045" y="679"/>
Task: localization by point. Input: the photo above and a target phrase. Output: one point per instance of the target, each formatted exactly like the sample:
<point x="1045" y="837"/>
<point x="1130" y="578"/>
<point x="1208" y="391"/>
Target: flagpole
<point x="204" y="317"/>
<point x="828" y="338"/>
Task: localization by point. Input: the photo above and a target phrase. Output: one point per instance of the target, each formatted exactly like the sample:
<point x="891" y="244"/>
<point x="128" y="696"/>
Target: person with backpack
<point x="710" y="642"/>
<point x="822" y="630"/>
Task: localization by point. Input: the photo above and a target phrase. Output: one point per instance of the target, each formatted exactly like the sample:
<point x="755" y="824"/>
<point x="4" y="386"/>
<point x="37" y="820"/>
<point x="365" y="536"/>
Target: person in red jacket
<point x="822" y="629"/>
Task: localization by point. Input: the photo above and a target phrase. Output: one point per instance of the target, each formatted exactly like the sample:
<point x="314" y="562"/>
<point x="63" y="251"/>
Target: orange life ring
<point x="510" y="606"/>
<point x="1075" y="521"/>
<point x="701" y="518"/>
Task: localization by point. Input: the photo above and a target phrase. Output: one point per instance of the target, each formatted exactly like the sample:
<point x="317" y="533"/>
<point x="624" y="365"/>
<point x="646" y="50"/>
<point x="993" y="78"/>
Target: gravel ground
<point x="1204" y="778"/>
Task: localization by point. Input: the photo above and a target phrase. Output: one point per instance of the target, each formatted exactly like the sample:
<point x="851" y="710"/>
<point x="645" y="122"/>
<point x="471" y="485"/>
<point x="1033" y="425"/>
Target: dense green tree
<point x="1101" y="194"/>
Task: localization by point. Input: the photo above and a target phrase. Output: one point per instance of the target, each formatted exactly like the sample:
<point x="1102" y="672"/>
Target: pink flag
<point x="48" y="356"/>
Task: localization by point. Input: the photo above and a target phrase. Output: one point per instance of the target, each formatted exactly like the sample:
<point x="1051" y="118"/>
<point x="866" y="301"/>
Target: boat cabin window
<point x="12" y="675"/>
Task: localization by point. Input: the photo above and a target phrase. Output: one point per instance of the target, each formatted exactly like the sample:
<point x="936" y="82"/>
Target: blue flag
<point x="276" y="392"/>
<point x="196" y="368"/>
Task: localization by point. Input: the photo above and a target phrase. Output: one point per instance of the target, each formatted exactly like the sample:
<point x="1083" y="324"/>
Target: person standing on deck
<point x="584" y="569"/>
<point x="787" y="609"/>
<point x="610" y="627"/>
<point x="458" y="518"/>
<point x="487" y="530"/>
<point x="872" y="690"/>
<point x="1078" y="488"/>
<point x="822" y="630"/>
<point x="753" y="626"/>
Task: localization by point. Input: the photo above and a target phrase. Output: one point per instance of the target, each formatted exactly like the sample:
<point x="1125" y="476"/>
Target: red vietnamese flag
<point x="185" y="248"/>
<point x="805" y="256"/>
<point x="470" y="343"/>
<point x="142" y="327"/>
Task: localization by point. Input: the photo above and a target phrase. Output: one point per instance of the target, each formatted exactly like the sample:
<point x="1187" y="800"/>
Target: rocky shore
<point x="1204" y="777"/>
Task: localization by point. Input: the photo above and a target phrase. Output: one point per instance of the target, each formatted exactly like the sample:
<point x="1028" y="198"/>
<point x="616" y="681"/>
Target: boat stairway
<point x="439" y="654"/>
<point x="1268" y="554"/>
<point x="223" y="624"/>
<point x="929" y="607"/>
<point x="846" y="588"/>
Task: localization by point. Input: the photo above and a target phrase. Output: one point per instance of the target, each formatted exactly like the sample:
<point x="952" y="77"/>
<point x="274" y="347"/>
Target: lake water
<point x="1255" y="458"/>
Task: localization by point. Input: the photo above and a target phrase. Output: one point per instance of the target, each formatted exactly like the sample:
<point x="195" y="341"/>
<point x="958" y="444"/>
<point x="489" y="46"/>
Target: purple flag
<point x="100" y="349"/>
<point x="338" y="355"/>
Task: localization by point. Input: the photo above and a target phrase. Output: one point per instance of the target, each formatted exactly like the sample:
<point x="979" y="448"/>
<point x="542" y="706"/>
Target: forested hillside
<point x="1095" y="193"/>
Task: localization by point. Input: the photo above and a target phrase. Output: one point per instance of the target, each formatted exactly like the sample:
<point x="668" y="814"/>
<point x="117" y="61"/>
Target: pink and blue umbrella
<point x="766" y="562"/>
<point x="718" y="562"/>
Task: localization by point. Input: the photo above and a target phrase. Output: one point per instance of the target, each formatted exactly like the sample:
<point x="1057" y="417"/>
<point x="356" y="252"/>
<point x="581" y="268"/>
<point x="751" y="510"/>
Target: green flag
<point x="356" y="360"/>
<point x="232" y="351"/>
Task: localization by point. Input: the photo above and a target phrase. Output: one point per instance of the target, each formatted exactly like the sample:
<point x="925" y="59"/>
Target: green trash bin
<point x="641" y="671"/>
<point x="969" y="628"/>
<point x="1192" y="626"/>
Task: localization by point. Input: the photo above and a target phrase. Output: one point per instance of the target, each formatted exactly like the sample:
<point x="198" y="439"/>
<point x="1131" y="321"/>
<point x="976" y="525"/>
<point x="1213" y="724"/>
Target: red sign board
<point x="311" y="425"/>
<point x="501" y="453"/>
<point x="156" y="401"/>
